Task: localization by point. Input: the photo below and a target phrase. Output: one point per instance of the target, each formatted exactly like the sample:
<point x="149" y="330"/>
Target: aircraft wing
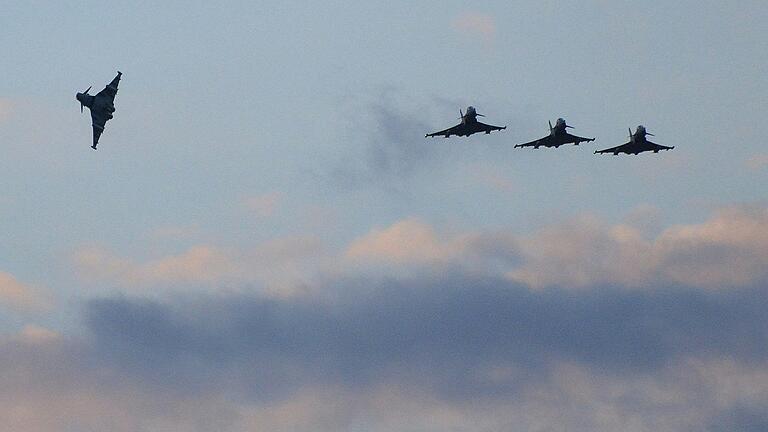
<point x="111" y="89"/>
<point x="577" y="139"/>
<point x="624" y="148"/>
<point x="656" y="147"/>
<point x="460" y="129"/>
<point x="98" y="121"/>
<point x="96" y="134"/>
<point x="482" y="127"/>
<point x="536" y="143"/>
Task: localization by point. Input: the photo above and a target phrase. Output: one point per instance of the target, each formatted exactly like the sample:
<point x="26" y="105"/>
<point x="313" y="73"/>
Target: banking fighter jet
<point x="102" y="105"/>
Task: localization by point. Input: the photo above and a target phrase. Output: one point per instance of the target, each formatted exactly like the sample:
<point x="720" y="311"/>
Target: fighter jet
<point x="468" y="126"/>
<point x="557" y="137"/>
<point x="637" y="144"/>
<point x="102" y="105"/>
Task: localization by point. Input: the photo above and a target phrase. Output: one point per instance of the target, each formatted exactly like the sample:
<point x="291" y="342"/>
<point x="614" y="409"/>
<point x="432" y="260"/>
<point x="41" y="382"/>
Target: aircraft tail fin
<point x="84" y="94"/>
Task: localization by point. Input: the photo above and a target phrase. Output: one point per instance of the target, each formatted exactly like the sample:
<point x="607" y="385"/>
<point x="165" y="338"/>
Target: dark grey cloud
<point x="484" y="352"/>
<point x="740" y="419"/>
<point x="396" y="143"/>
<point x="435" y="334"/>
<point x="388" y="146"/>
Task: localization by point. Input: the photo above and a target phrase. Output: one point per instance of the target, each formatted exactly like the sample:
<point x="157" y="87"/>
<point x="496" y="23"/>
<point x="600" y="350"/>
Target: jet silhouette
<point x="102" y="105"/>
<point x="557" y="137"/>
<point x="468" y="126"/>
<point x="637" y="144"/>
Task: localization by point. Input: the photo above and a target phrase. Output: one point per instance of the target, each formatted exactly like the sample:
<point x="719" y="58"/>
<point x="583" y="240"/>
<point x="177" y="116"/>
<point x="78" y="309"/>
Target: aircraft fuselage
<point x="470" y="117"/>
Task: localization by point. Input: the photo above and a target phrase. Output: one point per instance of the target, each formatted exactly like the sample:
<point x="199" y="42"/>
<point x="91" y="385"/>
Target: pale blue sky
<point x="238" y="99"/>
<point x="221" y="102"/>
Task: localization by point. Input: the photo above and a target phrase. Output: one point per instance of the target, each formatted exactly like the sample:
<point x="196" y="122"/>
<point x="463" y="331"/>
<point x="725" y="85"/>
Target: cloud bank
<point x="421" y="353"/>
<point x="579" y="325"/>
<point x="21" y="297"/>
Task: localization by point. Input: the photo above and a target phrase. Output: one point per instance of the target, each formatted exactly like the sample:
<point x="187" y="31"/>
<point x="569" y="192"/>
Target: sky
<point x="265" y="240"/>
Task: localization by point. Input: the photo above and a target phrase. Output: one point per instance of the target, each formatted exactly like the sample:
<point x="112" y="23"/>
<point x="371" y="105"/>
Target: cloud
<point x="396" y="147"/>
<point x="476" y="24"/>
<point x="731" y="248"/>
<point x="728" y="250"/>
<point x="740" y="418"/>
<point x="174" y="232"/>
<point x="407" y="241"/>
<point x="456" y="336"/>
<point x="393" y="145"/>
<point x="198" y="265"/>
<point x="496" y="181"/>
<point x="50" y="384"/>
<point x="37" y="335"/>
<point x="453" y="343"/>
<point x="456" y="341"/>
<point x="277" y="266"/>
<point x="413" y="244"/>
<point x="55" y="386"/>
<point x="263" y="205"/>
<point x="20" y="296"/>
<point x="6" y="109"/>
<point x="757" y="162"/>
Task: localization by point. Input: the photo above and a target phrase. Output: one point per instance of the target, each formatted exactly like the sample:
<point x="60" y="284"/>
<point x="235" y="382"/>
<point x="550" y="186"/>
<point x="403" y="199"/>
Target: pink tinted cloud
<point x="730" y="249"/>
<point x="494" y="179"/>
<point x="406" y="242"/>
<point x="279" y="266"/>
<point x="476" y="24"/>
<point x="757" y="162"/>
<point x="20" y="296"/>
<point x="200" y="264"/>
<point x="6" y="109"/>
<point x="263" y="205"/>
